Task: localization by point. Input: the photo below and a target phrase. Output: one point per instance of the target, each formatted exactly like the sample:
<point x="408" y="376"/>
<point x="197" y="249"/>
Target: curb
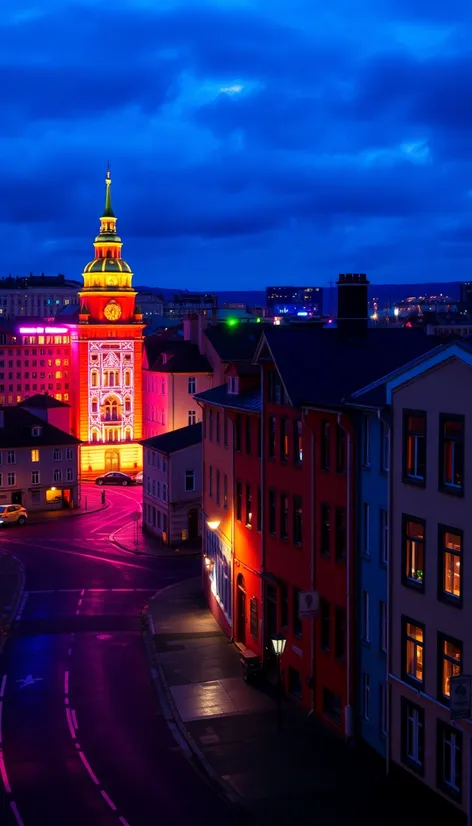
<point x="16" y="600"/>
<point x="73" y="515"/>
<point x="172" y="717"/>
<point x="129" y="550"/>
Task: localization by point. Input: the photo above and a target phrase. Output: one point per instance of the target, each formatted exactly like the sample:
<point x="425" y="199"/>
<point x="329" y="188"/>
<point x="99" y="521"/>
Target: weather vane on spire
<point x="108" y="179"/>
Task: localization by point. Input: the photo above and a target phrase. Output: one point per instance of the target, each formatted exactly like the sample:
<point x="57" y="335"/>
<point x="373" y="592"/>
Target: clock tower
<point x="107" y="351"/>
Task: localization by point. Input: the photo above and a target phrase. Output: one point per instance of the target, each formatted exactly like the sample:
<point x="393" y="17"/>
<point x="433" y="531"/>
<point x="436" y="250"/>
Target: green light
<point x="258" y="320"/>
<point x="232" y="322"/>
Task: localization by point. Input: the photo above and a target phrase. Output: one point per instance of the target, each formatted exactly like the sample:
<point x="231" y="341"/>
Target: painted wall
<point x="57" y="469"/>
<point x="166" y="502"/>
<point x="167" y="401"/>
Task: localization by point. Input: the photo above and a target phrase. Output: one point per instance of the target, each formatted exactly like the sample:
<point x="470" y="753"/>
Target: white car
<point x="139" y="478"/>
<point x="12" y="515"/>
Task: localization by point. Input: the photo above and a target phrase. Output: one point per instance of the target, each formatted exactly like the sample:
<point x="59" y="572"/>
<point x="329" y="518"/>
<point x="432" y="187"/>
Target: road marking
<point x="87" y="766"/>
<point x="29" y="680"/>
<point x="69" y="652"/>
<point x="74" y="720"/>
<point x="79" y="602"/>
<point x="4" y="776"/>
<point x="69" y="723"/>
<point x="66" y="701"/>
<point x="66" y="682"/>
<point x="98" y="590"/>
<point x="82" y="592"/>
<point x="15" y="811"/>
<point x="108" y="800"/>
<point x="2" y="686"/>
<point x="78" y="611"/>
<point x="123" y="821"/>
<point x="22" y="606"/>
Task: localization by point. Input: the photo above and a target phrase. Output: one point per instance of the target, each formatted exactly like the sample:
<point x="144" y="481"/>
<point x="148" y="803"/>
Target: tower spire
<point x="108" y="213"/>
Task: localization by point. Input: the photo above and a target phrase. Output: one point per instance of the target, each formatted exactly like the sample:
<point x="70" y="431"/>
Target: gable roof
<point x="234" y="343"/>
<point x="175" y="439"/>
<point x="251" y="401"/>
<point x="41" y="401"/>
<point x="184" y="359"/>
<point x="16" y="430"/>
<point x="157" y="343"/>
<point x="323" y="366"/>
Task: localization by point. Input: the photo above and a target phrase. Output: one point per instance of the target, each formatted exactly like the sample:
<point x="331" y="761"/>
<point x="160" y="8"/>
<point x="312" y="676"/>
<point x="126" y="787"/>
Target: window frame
<point x="409" y="678"/>
<point x="416" y="765"/>
<point x="446" y="596"/>
<point x="407" y="479"/>
<point x="442" y="658"/>
<point x="449" y="487"/>
<point x="442" y="730"/>
<point x="410" y="582"/>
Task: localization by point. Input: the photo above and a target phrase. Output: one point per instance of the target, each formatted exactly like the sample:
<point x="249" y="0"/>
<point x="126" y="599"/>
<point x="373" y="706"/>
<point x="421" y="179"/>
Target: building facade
<point x="107" y="355"/>
<point x="36" y="296"/>
<point x="35" y="358"/>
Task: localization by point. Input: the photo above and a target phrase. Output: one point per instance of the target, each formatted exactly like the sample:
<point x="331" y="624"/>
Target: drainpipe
<point x="389" y="511"/>
<point x="348" y="715"/>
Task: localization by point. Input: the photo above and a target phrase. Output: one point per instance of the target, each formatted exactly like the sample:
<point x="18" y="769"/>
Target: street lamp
<point x="278" y="644"/>
<point x="213" y="524"/>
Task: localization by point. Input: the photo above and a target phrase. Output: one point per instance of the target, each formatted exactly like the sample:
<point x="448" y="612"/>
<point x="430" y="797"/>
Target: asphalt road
<point x="83" y="739"/>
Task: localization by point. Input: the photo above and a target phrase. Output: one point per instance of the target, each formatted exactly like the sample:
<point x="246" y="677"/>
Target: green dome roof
<point x="107" y="265"/>
<point x="107" y="236"/>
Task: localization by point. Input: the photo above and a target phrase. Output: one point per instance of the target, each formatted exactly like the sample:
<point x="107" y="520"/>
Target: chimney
<point x="191" y="327"/>
<point x="353" y="307"/>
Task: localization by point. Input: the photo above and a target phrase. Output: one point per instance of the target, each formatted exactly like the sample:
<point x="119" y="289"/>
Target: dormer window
<point x="233" y="385"/>
<point x="36" y="431"/>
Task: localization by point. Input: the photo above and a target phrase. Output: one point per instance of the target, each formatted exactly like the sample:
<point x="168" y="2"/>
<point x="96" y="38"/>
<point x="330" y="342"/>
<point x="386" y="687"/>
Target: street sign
<point x="460" y="700"/>
<point x="308" y="604"/>
<point x="137" y="516"/>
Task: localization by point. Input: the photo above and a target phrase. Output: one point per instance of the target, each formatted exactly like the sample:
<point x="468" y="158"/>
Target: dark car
<point x="115" y="478"/>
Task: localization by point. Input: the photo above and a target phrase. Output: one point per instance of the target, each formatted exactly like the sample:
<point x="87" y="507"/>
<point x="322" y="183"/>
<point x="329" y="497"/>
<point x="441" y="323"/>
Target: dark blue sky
<point x="251" y="141"/>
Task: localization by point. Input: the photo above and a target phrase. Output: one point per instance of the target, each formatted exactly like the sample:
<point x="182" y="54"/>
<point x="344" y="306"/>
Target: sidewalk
<point x="132" y="538"/>
<point x="12" y="582"/>
<point x="301" y="773"/>
<point x="90" y="502"/>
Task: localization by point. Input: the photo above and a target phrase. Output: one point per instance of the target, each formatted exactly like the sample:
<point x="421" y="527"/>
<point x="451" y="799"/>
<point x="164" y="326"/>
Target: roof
<point x="16" y="430"/>
<point x="219" y="396"/>
<point x="42" y="401"/>
<point x="323" y="366"/>
<point x="184" y="359"/>
<point x="175" y="440"/>
<point x="234" y="343"/>
<point x="244" y="368"/>
<point x="107" y="265"/>
<point x="157" y="343"/>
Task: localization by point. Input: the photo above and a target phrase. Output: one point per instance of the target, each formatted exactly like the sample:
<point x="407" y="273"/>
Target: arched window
<point x="127" y="404"/>
<point x="127" y="378"/>
<point x="94" y="405"/>
<point x="128" y="434"/>
<point x="111" y="410"/>
<point x="95" y="435"/>
<point x="94" y="378"/>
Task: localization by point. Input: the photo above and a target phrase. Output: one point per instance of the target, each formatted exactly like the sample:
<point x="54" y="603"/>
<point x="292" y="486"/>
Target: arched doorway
<point x="112" y="460"/>
<point x="241" y="609"/>
<point x="193" y="523"/>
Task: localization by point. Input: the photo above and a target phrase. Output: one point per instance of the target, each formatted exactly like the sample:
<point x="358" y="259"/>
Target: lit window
<point x="35" y="455"/>
<point x="414" y="441"/>
<point x="450" y="664"/>
<point x="451" y="454"/>
<point x="413" y="552"/>
<point x="413" y="651"/>
<point x="450" y="551"/>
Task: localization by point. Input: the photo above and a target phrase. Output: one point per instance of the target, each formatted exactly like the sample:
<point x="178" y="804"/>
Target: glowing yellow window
<point x="35" y="455"/>
<point x="58" y="374"/>
<point x="414" y="638"/>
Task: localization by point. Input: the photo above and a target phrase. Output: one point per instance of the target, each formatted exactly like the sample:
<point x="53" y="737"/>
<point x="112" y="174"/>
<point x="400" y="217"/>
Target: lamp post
<point x="278" y="644"/>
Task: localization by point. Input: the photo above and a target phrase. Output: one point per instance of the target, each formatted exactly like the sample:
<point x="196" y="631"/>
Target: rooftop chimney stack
<point x="353" y="303"/>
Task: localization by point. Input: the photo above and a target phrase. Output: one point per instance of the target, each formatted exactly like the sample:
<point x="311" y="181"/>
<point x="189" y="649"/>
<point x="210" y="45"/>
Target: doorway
<point x="241" y="609"/>
<point x="112" y="460"/>
<point x="193" y="523"/>
<point x="16" y="497"/>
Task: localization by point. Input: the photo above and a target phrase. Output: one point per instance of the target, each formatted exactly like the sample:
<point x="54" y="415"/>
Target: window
<point x="272" y="513"/>
<point x="35" y="497"/>
<point x="384" y="447"/>
<point x="272" y="436"/>
<point x="69" y="453"/>
<point x="383" y="629"/>
<point x="450" y="564"/>
<point x="248" y="506"/>
<point x="414" y="447"/>
<point x="332" y="706"/>
<point x="275" y="392"/>
<point x="297" y="520"/>
<point x="296" y="621"/>
<point x="451" y="454"/>
<point x="239" y="500"/>
<point x="259" y="509"/>
<point x="192" y="417"/>
<point x="366" y="440"/>
<point x="57" y="474"/>
<point x="225" y="430"/>
<point x="297" y="442"/>
<point x="449" y="664"/>
<point x="325" y="445"/>
<point x="11" y="479"/>
<point x="283" y="605"/>
<point x="57" y="456"/>
<point x="365" y="695"/>
<point x="253" y="618"/>
<point x="164" y="492"/>
<point x="210" y="480"/>
<point x="237" y="432"/>
<point x="283" y="516"/>
<point x="248" y="435"/>
<point x="218" y="500"/>
<point x="449" y="760"/>
<point x="164" y="464"/>
<point x="340" y="534"/>
<point x="192" y="385"/>
<point x="383" y="536"/>
<point x="218" y="427"/>
<point x="413" y="651"/>
<point x="189" y="480"/>
<point x="412" y="735"/>
<point x="11" y="457"/>
<point x="325" y="629"/>
<point x="70" y="474"/>
<point x="325" y="530"/>
<point x="35" y="477"/>
<point x="383" y="710"/>
<point x="36" y="431"/>
<point x="339" y="633"/>
<point x="233" y="385"/>
<point x="210" y="424"/>
<point x="225" y="492"/>
<point x="413" y="552"/>
<point x="366" y="529"/>
<point x="340" y="449"/>
<point x="283" y="439"/>
<point x="365" y="616"/>
<point x="35" y="455"/>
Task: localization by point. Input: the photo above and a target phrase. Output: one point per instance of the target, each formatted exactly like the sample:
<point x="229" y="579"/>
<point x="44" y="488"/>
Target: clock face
<point x="112" y="311"/>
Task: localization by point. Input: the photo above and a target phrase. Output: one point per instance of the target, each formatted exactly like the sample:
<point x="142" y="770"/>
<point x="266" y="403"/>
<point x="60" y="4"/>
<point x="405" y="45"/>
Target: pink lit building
<point x="35" y="357"/>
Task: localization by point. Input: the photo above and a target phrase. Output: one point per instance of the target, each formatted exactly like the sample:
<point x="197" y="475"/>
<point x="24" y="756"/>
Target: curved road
<point x="83" y="739"/>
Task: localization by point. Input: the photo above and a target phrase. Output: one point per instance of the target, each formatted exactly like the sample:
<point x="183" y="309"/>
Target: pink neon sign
<point x="36" y="330"/>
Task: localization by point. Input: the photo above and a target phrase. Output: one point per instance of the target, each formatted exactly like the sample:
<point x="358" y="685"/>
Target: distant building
<point x="294" y="300"/>
<point x="38" y="462"/>
<point x="185" y="302"/>
<point x="172" y="484"/>
<point x="466" y="297"/>
<point x="151" y="304"/>
<point x="38" y="296"/>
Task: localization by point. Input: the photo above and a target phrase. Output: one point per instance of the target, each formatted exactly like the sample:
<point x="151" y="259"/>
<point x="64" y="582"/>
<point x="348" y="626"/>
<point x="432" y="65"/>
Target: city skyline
<point x="249" y="144"/>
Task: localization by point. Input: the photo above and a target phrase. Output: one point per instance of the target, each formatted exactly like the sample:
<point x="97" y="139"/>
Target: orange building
<point x="107" y="354"/>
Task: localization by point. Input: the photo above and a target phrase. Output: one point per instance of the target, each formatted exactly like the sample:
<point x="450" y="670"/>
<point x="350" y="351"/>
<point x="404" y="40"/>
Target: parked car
<point x="13" y="515"/>
<point x="114" y="477"/>
<point x="139" y="478"/>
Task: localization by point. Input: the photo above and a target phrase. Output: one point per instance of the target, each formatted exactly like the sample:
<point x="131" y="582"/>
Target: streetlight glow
<point x="278" y="644"/>
<point x="213" y="524"/>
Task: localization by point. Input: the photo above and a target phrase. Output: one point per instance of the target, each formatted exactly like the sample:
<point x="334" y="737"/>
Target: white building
<point x="36" y="296"/>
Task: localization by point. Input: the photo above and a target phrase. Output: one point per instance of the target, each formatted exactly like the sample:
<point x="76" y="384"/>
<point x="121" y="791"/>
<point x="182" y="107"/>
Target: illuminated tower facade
<point x="107" y="358"/>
